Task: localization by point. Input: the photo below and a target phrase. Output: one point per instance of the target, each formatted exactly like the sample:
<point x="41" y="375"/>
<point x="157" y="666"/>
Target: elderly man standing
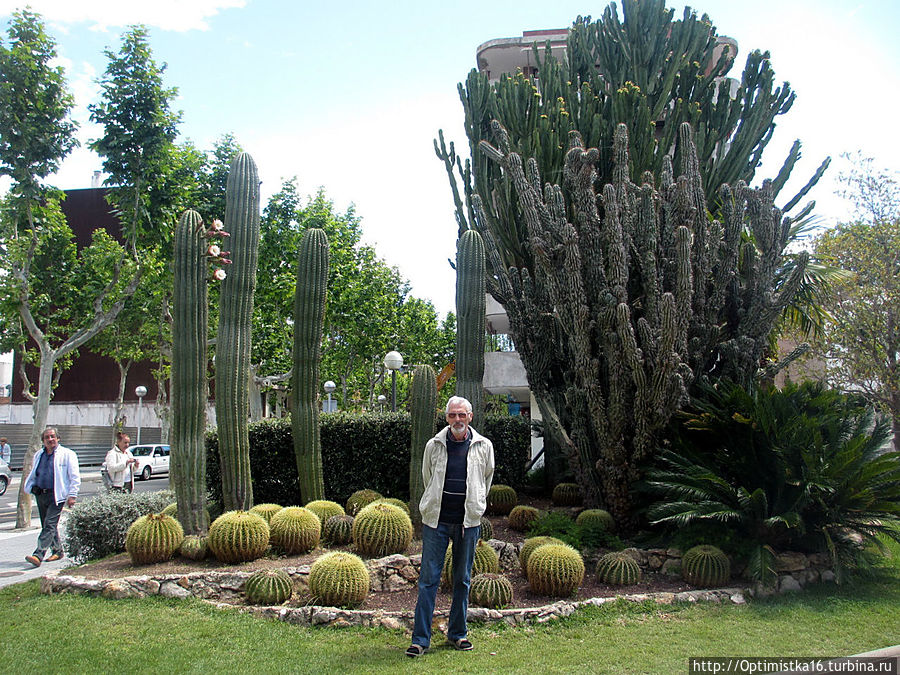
<point x="54" y="480"/>
<point x="457" y="466"/>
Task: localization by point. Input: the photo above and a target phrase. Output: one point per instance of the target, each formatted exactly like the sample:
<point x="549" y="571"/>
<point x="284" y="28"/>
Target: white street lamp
<point x="393" y="361"/>
<point x="329" y="387"/>
<point x="140" y="392"/>
<point x="381" y="399"/>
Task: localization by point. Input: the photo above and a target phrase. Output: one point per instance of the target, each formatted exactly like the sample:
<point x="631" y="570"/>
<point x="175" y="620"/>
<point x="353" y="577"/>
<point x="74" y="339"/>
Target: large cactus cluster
<point x="422" y="408"/>
<point x="233" y="338"/>
<point x="309" y="318"/>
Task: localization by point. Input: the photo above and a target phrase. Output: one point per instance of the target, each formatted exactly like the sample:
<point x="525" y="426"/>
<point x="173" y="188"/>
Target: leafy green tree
<point x="861" y="346"/>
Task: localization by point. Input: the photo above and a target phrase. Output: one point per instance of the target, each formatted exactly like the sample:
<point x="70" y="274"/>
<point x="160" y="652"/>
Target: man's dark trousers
<point x="49" y="512"/>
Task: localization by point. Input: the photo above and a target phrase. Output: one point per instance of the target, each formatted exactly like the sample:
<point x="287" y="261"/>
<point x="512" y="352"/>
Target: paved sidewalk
<point x="16" y="544"/>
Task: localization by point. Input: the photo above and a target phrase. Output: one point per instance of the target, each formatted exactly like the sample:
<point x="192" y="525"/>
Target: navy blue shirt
<point x="43" y="475"/>
<point x="453" y="499"/>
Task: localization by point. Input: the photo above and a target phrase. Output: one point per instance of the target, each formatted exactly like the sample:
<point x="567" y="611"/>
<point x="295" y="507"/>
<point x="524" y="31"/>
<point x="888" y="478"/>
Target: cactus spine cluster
<point x="238" y="536"/>
<point x="233" y="338"/>
<point x="530" y="546"/>
<point x="360" y="499"/>
<point x="521" y="517"/>
<point x="567" y="494"/>
<point x="325" y="509"/>
<point x="266" y="511"/>
<point x="596" y="517"/>
<point x="268" y="587"/>
<point x="153" y="538"/>
<point x="555" y="570"/>
<point x="422" y="407"/>
<point x="382" y="529"/>
<point x="338" y="530"/>
<point x="501" y="499"/>
<point x="470" y="321"/>
<point x="295" y="530"/>
<point x="485" y="560"/>
<point x="309" y="318"/>
<point x="193" y="547"/>
<point x="618" y="568"/>
<point x="706" y="566"/>
<point x="188" y="378"/>
<point x="493" y="591"/>
<point x="339" y="579"/>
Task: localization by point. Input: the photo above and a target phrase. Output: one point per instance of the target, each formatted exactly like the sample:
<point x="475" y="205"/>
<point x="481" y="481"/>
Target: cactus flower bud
<point x="219" y="275"/>
<point x="213" y="251"/>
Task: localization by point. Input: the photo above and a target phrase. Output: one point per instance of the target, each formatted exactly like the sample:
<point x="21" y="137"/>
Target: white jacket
<point x="479" y="474"/>
<point x="117" y="466"/>
<point x="66" y="475"/>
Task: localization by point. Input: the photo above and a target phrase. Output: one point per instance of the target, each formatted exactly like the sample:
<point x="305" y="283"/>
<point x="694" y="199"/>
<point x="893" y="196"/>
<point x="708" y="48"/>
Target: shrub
<point x="491" y="590"/>
<point x="153" y="538"/>
<point x="501" y="499"/>
<point x="618" y="568"/>
<point x="382" y="529"/>
<point x="268" y="587"/>
<point x="339" y="579"/>
<point x="521" y="517"/>
<point x="555" y="570"/>
<point x="238" y="536"/>
<point x="485" y="560"/>
<point x="97" y="526"/>
<point x="295" y="530"/>
<point x="556" y="524"/>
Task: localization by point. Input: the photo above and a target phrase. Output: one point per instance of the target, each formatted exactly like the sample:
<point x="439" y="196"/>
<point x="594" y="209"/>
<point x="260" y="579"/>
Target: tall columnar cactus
<point x="189" y="379"/>
<point x="233" y="339"/>
<point x="309" y="318"/>
<point x="422" y="408"/>
<point x="470" y="321"/>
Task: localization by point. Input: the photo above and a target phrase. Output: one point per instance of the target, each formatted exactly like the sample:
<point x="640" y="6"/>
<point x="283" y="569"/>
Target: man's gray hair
<point x="458" y="400"/>
<point x="53" y="429"/>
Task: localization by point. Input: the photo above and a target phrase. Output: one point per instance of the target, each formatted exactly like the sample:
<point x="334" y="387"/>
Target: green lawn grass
<point x="80" y="634"/>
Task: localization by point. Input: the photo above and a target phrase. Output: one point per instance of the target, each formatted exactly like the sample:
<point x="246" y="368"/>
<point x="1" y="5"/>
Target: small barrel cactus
<point x="567" y="494"/>
<point x="382" y="529"/>
<point x="339" y="579"/>
<point x="268" y="587"/>
<point x="491" y="590"/>
<point x="705" y="565"/>
<point x="393" y="502"/>
<point x="487" y="530"/>
<point x="238" y="536"/>
<point x="501" y="499"/>
<point x="596" y="517"/>
<point x="618" y="568"/>
<point x="193" y="547"/>
<point x="359" y="499"/>
<point x="530" y="546"/>
<point x="325" y="509"/>
<point x="266" y="510"/>
<point x="295" y="530"/>
<point x="555" y="570"/>
<point x="153" y="538"/>
<point x="521" y="517"/>
<point x="338" y="530"/>
<point x="485" y="560"/>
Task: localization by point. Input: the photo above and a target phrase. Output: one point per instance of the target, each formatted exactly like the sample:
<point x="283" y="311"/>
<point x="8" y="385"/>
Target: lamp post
<point x="381" y="399"/>
<point x="140" y="391"/>
<point x="393" y="361"/>
<point x="329" y="387"/>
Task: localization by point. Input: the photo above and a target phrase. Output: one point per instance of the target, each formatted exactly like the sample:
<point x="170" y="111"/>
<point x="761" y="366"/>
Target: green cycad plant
<point x="309" y="317"/>
<point x="802" y="468"/>
<point x="422" y="409"/>
<point x="233" y="338"/>
<point x="470" y="321"/>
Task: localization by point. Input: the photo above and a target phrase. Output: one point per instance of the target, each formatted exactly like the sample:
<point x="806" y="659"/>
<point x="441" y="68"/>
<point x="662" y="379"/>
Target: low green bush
<point x="358" y="451"/>
<point x="96" y="527"/>
<point x="587" y="535"/>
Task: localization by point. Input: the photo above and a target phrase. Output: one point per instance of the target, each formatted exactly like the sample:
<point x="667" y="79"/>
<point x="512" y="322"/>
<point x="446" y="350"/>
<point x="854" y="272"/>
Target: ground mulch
<point x="121" y="566"/>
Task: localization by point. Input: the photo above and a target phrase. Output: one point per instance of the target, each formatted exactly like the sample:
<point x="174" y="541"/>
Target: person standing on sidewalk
<point x="5" y="450"/>
<point x="457" y="468"/>
<point x="54" y="480"/>
<point x="120" y="464"/>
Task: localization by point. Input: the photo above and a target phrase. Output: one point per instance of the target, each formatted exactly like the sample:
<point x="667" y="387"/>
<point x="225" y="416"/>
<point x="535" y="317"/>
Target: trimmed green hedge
<point x="358" y="451"/>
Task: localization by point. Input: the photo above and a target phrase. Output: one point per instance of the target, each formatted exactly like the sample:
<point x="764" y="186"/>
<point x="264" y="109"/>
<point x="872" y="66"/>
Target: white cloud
<point x="175" y="15"/>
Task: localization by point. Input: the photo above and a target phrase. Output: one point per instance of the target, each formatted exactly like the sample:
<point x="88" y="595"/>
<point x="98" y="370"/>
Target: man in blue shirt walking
<point x="54" y="480"/>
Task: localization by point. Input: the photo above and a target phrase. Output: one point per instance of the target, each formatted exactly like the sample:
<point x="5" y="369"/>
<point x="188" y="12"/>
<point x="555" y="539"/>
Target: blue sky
<point x="349" y="95"/>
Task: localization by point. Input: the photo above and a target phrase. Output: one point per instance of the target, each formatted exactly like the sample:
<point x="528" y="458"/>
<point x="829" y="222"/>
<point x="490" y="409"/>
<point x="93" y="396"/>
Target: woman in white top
<point x="120" y="463"/>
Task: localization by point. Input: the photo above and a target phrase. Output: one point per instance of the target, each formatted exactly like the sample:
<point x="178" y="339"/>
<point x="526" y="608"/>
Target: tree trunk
<point x="40" y="408"/>
<point x="119" y="419"/>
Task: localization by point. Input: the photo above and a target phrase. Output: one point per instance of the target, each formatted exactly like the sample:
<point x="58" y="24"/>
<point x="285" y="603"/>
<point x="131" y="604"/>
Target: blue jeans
<point x="434" y="547"/>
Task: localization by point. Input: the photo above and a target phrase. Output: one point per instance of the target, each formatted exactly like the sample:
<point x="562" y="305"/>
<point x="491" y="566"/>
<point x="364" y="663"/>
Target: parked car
<point x="5" y="476"/>
<point x="153" y="460"/>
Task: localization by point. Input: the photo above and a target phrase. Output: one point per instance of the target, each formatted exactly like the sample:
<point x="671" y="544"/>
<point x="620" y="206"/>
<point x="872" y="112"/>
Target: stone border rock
<point x="399" y="572"/>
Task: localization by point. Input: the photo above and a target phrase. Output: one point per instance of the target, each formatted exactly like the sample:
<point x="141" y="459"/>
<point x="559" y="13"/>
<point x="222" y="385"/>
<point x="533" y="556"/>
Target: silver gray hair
<point x="458" y="400"/>
<point x="53" y="429"/>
